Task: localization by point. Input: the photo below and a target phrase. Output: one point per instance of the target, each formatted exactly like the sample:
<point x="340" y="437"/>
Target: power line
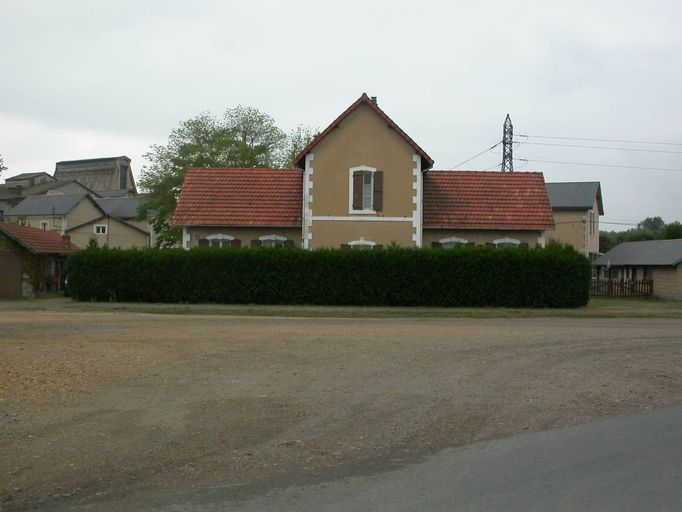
<point x="599" y="147"/>
<point x="618" y="223"/>
<point x="600" y="165"/>
<point x="492" y="166"/>
<point x="605" y="140"/>
<point x="476" y="156"/>
<point x="583" y="221"/>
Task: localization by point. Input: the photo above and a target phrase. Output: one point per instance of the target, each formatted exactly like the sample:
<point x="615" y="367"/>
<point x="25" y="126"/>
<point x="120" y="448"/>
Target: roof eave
<point x="19" y="241"/>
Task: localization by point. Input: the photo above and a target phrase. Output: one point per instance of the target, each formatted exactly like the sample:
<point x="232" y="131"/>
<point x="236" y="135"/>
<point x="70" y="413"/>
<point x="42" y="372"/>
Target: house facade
<point x="109" y="222"/>
<point x="576" y="207"/>
<point x="362" y="183"/>
<point x="658" y="260"/>
<point x="17" y="188"/>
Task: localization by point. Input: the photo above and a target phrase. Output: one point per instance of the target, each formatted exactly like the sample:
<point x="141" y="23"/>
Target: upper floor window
<point x="219" y="240"/>
<point x="592" y="223"/>
<point x="123" y="177"/>
<point x="44" y="225"/>
<point x="100" y="229"/>
<point x="365" y="190"/>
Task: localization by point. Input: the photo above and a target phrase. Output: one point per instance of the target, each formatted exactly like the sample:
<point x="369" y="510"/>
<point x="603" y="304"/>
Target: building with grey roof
<point x="659" y="260"/>
<point x="11" y="196"/>
<point x="111" y="174"/>
<point x="120" y="207"/>
<point x="576" y="207"/>
<point x="46" y="205"/>
<point x="109" y="222"/>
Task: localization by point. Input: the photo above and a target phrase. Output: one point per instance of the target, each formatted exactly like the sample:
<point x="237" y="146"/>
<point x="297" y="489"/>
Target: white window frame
<point x="507" y="240"/>
<point x="222" y="238"/>
<point x="104" y="229"/>
<point x="273" y="239"/>
<point x="359" y="244"/>
<point x="452" y="241"/>
<point x="351" y="171"/>
<point x="46" y="224"/>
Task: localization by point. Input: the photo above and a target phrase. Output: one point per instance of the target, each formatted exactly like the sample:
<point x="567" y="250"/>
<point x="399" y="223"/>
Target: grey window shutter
<point x="470" y="244"/>
<point x="236" y="243"/>
<point x="436" y="245"/>
<point x="357" y="191"/>
<point x="203" y="242"/>
<point x="256" y="243"/>
<point x="345" y="246"/>
<point x="378" y="190"/>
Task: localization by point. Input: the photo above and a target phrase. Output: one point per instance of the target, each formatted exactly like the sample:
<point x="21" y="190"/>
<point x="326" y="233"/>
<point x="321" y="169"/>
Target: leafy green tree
<point x="672" y="231"/>
<point x="296" y="142"/>
<point x="243" y="137"/>
<point x="653" y="224"/>
<point x="651" y="228"/>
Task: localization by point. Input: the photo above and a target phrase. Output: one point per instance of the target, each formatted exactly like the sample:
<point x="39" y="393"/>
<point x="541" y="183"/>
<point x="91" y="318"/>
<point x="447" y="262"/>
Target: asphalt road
<point x="630" y="463"/>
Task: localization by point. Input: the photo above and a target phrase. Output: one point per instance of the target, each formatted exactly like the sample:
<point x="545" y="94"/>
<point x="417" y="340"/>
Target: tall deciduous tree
<point x="243" y="137"/>
<point x="672" y="231"/>
<point x="651" y="228"/>
<point x="653" y="224"/>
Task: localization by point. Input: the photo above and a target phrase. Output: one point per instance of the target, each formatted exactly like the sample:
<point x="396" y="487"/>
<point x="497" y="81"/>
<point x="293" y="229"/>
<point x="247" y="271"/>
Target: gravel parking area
<point x="100" y="405"/>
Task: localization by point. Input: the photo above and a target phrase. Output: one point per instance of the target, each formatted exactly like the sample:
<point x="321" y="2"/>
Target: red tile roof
<point x="37" y="240"/>
<point x="241" y="197"/>
<point x="363" y="100"/>
<point x="486" y="200"/>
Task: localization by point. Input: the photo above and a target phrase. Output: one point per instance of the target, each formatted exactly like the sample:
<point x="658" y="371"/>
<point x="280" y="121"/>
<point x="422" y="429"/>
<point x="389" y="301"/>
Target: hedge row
<point x="553" y="277"/>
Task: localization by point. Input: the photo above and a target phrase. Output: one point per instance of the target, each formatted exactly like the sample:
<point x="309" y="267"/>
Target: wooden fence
<point x="621" y="289"/>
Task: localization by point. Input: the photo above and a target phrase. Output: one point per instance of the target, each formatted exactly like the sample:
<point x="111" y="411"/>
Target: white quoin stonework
<point x="541" y="240"/>
<point x="185" y="237"/>
<point x="308" y="201"/>
<point x="417" y="200"/>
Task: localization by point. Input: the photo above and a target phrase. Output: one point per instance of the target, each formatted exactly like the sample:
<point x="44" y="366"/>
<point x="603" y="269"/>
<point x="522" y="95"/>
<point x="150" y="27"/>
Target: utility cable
<point x="604" y="140"/>
<point x="475" y="156"/>
<point x="599" y="147"/>
<point x="599" y="165"/>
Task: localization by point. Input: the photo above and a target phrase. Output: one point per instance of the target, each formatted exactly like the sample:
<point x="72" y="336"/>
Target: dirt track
<point x="100" y="405"/>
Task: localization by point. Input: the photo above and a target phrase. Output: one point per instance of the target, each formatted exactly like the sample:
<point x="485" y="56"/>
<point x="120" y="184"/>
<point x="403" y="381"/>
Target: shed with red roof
<point x="31" y="259"/>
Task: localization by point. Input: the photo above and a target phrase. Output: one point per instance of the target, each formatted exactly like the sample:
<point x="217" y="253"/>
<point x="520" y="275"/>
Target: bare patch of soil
<point x="99" y="405"/>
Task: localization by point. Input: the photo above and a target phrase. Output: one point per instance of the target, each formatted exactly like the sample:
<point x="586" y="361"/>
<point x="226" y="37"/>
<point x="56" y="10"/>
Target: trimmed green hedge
<point x="553" y="277"/>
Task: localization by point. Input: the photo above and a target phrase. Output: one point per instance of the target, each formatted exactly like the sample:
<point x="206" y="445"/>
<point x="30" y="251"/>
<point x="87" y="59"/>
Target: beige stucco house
<point x="17" y="188"/>
<point x="82" y="217"/>
<point x="576" y="207"/>
<point x="362" y="183"/>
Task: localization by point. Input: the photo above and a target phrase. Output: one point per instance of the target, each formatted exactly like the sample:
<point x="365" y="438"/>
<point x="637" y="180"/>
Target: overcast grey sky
<point x="86" y="79"/>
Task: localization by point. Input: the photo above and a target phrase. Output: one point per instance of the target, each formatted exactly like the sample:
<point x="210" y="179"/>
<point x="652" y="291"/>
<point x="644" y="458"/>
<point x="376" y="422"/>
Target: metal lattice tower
<point x="507" y="137"/>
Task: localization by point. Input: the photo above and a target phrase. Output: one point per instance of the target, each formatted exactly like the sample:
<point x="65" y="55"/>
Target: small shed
<point x="659" y="260"/>
<point x="31" y="260"/>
